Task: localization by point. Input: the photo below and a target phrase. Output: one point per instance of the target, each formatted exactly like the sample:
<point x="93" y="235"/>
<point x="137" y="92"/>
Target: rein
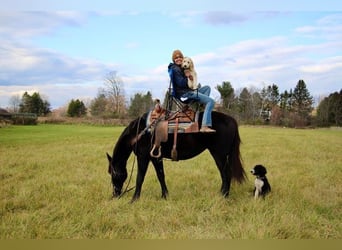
<point x="135" y="141"/>
<point x="136" y="145"/>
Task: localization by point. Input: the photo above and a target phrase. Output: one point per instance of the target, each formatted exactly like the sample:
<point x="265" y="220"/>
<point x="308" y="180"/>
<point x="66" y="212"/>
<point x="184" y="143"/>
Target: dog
<point x="189" y="69"/>
<point x="262" y="186"/>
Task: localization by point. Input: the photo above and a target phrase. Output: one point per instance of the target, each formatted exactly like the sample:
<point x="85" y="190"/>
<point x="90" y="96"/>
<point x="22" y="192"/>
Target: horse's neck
<point x="122" y="151"/>
<point x="123" y="147"/>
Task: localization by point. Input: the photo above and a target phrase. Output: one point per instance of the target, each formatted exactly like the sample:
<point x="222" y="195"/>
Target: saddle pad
<point x="184" y="127"/>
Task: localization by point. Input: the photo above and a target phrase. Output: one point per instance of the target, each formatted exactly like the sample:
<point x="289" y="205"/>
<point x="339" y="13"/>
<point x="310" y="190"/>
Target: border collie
<point x="262" y="186"/>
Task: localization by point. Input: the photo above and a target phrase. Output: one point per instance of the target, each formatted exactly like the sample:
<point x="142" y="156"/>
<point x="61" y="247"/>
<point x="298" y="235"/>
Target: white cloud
<point x="32" y="23"/>
<point x="25" y="65"/>
<point x="324" y="66"/>
<point x="223" y="17"/>
<point x="329" y="27"/>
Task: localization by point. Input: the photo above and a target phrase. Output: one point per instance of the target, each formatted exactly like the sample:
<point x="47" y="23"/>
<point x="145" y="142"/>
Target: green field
<point x="54" y="185"/>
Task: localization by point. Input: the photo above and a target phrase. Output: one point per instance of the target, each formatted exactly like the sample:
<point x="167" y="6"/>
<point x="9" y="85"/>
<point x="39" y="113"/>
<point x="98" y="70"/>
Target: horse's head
<point x="118" y="174"/>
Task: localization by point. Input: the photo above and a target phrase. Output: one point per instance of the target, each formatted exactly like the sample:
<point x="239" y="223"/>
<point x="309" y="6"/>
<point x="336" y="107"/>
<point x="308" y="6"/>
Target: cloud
<point x="223" y="17"/>
<point x="323" y="66"/>
<point x="282" y="60"/>
<point x="26" y="65"/>
<point x="27" y="24"/>
<point x="272" y="60"/>
<point x="192" y="18"/>
<point x="329" y="27"/>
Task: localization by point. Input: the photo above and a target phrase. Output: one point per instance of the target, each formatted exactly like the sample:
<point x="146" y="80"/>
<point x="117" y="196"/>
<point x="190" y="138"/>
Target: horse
<point x="223" y="145"/>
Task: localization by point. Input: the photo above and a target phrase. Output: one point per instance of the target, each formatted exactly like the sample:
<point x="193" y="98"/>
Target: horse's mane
<point x="123" y="145"/>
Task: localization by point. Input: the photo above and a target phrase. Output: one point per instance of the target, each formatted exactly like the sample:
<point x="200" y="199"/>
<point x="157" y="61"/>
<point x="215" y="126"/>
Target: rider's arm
<point x="179" y="78"/>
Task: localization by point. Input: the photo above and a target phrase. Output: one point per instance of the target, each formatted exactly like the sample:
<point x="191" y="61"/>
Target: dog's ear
<point x="260" y="169"/>
<point x="263" y="169"/>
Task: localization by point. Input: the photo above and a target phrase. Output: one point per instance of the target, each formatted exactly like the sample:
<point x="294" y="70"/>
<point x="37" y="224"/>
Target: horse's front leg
<point x="142" y="168"/>
<point x="159" y="167"/>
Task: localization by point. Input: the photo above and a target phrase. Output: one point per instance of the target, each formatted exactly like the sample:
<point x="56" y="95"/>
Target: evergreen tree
<point x="98" y="105"/>
<point x="227" y="94"/>
<point x="246" y="105"/>
<point x="285" y="100"/>
<point x="140" y="104"/>
<point x="322" y="116"/>
<point x="76" y="108"/>
<point x="34" y="104"/>
<point x="335" y="108"/>
<point x="270" y="97"/>
<point x="269" y="100"/>
<point x="329" y="110"/>
<point x="302" y="101"/>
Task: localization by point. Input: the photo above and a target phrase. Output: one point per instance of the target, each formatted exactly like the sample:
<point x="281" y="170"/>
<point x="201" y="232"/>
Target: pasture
<point x="54" y="185"/>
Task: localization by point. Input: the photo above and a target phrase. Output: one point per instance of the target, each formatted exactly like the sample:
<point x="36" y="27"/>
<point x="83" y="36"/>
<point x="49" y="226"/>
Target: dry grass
<point x="54" y="185"/>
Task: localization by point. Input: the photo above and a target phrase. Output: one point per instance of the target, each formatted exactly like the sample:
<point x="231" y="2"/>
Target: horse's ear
<point x="109" y="158"/>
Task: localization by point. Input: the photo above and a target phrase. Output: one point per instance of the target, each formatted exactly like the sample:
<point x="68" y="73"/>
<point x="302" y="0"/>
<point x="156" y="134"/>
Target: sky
<point x="65" y="50"/>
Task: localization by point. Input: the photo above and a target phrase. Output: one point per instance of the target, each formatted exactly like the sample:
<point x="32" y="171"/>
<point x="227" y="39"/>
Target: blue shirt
<point x="179" y="80"/>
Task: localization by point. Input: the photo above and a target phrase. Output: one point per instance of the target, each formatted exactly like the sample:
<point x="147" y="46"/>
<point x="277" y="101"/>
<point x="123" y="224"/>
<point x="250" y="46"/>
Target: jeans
<point x="202" y="96"/>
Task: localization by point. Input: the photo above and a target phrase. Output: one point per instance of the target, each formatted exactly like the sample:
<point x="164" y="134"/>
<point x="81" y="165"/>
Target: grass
<point x="54" y="185"/>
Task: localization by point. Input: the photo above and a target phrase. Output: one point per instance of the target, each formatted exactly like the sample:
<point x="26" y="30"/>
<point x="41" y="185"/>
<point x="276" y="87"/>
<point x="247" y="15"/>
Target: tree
<point x="335" y="108"/>
<point x="270" y="97"/>
<point x="227" y="94"/>
<point x="34" y="104"/>
<point x="114" y="89"/>
<point x="246" y="105"/>
<point x="329" y="110"/>
<point x="256" y="101"/>
<point x="286" y="100"/>
<point x="322" y="116"/>
<point x="76" y="108"/>
<point x="14" y="103"/>
<point x="140" y="104"/>
<point x="302" y="102"/>
<point x="98" y="106"/>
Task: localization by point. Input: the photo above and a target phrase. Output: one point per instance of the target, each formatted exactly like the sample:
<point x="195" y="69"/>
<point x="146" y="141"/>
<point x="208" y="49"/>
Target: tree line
<point x="291" y="108"/>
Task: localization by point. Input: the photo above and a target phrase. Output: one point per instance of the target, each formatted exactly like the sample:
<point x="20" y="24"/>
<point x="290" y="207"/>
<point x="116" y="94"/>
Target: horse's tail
<point x="234" y="160"/>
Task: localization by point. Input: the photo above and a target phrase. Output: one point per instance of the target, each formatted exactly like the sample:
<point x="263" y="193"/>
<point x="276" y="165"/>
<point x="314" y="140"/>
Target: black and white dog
<point x="262" y="186"/>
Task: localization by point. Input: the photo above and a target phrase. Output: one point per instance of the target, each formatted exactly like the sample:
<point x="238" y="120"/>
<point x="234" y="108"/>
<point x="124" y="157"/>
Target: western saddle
<point x="179" y="116"/>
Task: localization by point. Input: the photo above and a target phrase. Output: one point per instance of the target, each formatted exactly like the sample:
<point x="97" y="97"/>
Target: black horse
<point x="224" y="146"/>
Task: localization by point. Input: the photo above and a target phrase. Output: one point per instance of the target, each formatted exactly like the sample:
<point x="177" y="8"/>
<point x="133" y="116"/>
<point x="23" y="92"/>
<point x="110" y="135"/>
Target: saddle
<point x="171" y="122"/>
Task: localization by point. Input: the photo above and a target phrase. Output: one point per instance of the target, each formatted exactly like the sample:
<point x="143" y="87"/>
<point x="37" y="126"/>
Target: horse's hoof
<point x="165" y="195"/>
<point x="134" y="199"/>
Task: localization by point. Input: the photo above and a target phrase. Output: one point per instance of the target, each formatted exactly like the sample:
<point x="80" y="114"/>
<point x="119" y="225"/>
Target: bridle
<point x="115" y="173"/>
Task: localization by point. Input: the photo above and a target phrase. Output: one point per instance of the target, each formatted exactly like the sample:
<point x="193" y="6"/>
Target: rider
<point x="181" y="90"/>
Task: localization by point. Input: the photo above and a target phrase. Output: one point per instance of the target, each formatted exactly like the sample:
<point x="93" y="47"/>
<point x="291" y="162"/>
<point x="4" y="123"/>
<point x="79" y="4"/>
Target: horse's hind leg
<point x="226" y="179"/>
<point x="225" y="172"/>
<point x="159" y="167"/>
